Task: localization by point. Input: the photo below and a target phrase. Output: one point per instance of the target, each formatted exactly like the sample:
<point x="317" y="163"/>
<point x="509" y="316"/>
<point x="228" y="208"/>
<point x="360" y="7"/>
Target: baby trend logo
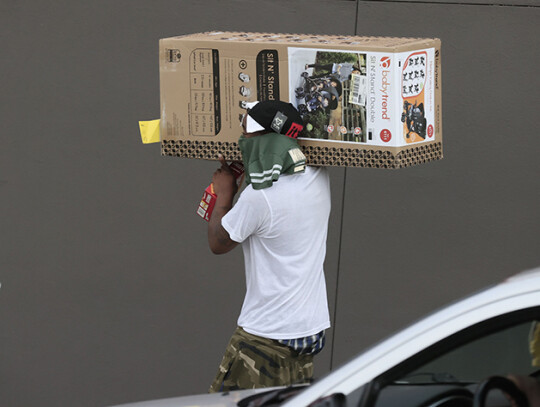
<point x="385" y="86"/>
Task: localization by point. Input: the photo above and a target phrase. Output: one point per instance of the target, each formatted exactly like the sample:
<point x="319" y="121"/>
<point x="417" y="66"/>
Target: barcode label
<point x="358" y="93"/>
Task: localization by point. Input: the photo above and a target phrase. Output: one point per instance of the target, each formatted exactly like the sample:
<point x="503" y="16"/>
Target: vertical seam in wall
<point x="341" y="231"/>
<point x="356" y="17"/>
<point x="338" y="269"/>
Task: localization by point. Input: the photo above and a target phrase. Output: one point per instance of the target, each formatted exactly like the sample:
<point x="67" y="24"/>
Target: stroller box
<point x="365" y="101"/>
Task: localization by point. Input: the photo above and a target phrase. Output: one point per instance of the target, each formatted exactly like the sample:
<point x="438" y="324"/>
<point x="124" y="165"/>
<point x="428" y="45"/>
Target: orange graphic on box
<point x="413" y="80"/>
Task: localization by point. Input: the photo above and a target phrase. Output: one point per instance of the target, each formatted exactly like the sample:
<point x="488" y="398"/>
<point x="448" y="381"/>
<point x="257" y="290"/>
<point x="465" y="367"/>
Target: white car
<point x="451" y="358"/>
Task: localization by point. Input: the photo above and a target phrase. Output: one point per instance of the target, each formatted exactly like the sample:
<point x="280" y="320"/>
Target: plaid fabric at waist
<point x="309" y="345"/>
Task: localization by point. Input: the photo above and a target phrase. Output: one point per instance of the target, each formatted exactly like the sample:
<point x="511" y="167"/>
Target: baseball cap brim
<point x="251" y="124"/>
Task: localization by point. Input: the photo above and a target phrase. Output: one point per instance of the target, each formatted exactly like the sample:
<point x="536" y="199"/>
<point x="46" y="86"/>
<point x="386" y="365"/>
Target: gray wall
<point x="109" y="292"/>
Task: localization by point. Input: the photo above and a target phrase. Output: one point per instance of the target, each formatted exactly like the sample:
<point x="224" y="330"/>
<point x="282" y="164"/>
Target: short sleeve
<point x="250" y="215"/>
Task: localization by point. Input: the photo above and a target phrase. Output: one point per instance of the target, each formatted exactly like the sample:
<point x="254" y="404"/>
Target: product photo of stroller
<point x="318" y="93"/>
<point x="414" y="117"/>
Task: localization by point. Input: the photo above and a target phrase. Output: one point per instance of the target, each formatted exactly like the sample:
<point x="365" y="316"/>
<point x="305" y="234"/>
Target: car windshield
<point x="500" y="353"/>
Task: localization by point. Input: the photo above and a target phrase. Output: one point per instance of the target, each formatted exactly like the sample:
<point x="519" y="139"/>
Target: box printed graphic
<point x="351" y="97"/>
<point x="414" y="78"/>
<point x="328" y="89"/>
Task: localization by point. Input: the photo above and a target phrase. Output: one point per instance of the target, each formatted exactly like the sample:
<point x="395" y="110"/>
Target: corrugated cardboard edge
<point x="316" y="155"/>
<point x="368" y="43"/>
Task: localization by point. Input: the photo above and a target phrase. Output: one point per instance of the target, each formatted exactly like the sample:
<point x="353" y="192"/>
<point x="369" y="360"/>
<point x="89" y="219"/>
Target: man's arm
<point x="225" y="188"/>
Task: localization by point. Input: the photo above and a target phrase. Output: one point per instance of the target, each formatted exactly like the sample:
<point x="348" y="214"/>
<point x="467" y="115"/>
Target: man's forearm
<point x="218" y="238"/>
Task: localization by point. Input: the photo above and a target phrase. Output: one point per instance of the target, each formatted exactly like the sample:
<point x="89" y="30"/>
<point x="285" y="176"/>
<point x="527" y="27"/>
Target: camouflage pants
<point x="252" y="362"/>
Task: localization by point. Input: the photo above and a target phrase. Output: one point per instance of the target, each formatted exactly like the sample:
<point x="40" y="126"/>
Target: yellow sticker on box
<point x="149" y="131"/>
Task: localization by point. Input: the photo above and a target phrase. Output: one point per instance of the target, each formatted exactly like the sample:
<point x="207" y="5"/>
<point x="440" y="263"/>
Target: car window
<point x="500" y="353"/>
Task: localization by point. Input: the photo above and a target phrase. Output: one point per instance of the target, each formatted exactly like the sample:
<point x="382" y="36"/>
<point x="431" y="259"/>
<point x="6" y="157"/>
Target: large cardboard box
<point x="366" y="101"/>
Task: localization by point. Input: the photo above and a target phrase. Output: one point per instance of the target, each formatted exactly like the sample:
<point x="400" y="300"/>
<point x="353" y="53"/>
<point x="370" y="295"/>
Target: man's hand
<point x="224" y="180"/>
<point x="225" y="188"/>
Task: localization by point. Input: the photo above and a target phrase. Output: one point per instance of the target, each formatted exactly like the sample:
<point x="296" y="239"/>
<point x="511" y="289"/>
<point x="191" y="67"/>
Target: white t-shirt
<point x="283" y="232"/>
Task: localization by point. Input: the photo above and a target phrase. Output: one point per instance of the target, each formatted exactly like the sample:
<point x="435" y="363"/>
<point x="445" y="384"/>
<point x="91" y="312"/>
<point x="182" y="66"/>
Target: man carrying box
<point x="281" y="220"/>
